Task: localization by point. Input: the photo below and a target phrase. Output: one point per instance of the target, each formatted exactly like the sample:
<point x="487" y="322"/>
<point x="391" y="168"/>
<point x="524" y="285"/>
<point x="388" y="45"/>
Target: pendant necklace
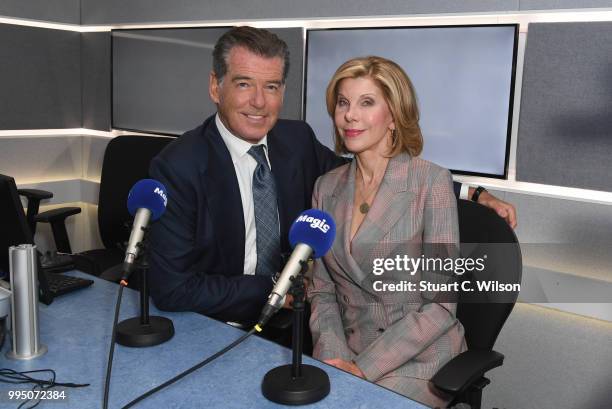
<point x="364" y="207"/>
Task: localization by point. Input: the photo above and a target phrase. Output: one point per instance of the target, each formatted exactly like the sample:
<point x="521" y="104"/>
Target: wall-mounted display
<point x="464" y="80"/>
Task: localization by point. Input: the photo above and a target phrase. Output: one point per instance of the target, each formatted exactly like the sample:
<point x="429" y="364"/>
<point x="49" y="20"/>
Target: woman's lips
<point x="351" y="133"/>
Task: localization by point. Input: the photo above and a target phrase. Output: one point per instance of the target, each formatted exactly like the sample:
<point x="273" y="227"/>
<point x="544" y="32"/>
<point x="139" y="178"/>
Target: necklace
<point x="364" y="207"/>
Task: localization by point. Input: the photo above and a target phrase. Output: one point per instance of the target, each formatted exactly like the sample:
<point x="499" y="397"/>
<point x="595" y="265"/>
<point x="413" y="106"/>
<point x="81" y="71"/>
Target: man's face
<point x="250" y="96"/>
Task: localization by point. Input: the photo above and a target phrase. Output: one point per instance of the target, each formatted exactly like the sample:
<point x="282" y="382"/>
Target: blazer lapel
<point x="284" y="168"/>
<point x="390" y="203"/>
<point x="340" y="205"/>
<point x="222" y="193"/>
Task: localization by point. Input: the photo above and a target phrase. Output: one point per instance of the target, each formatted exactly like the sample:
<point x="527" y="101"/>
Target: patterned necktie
<point x="266" y="214"/>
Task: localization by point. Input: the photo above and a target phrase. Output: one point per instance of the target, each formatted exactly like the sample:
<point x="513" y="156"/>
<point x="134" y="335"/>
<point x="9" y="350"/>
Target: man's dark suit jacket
<point x="197" y="247"/>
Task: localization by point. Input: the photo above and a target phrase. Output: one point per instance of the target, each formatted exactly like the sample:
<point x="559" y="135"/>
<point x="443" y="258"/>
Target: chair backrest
<point x="485" y="235"/>
<point x="14" y="228"/>
<point x="126" y="161"/>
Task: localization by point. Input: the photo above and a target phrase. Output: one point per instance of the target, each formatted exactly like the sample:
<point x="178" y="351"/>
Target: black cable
<point x="22" y="377"/>
<point x="11" y="376"/>
<point x="190" y="370"/>
<point x="111" y="352"/>
<point x="27" y="401"/>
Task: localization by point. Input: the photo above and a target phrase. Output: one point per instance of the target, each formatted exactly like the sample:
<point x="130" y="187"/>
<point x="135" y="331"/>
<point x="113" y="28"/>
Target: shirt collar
<point x="236" y="146"/>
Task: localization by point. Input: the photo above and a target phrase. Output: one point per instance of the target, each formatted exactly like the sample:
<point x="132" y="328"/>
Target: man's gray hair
<point x="257" y="40"/>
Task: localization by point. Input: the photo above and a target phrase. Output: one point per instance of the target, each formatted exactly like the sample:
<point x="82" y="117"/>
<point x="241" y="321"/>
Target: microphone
<point x="312" y="233"/>
<point x="147" y="201"/>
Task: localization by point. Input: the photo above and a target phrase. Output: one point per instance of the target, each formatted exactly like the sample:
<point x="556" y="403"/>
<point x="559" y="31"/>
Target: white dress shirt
<point x="245" y="165"/>
<point x="463" y="193"/>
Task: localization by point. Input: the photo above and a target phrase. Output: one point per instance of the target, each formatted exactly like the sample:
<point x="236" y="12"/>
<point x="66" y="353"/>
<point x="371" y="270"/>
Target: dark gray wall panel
<point x="562" y="4"/>
<point x="96" y="80"/>
<point x="40" y="78"/>
<point x="292" y="104"/>
<point x="565" y="130"/>
<point x="160" y="78"/>
<point x="119" y="11"/>
<point x="60" y="11"/>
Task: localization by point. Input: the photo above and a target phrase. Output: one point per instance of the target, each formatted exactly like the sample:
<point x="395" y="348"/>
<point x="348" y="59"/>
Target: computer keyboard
<point x="61" y="284"/>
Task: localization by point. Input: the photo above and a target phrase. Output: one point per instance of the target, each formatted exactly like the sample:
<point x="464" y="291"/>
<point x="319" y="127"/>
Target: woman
<point x="387" y="204"/>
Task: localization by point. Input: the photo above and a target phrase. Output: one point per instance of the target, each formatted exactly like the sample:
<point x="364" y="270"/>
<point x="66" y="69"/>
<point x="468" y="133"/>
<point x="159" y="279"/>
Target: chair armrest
<point x="466" y="368"/>
<point x="57" y="219"/>
<point x="59" y="214"/>
<point x="35" y="194"/>
<point x="34" y="197"/>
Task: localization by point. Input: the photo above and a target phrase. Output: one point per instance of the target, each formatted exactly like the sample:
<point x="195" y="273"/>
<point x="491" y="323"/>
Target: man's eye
<point x="243" y="84"/>
<point x="272" y="87"/>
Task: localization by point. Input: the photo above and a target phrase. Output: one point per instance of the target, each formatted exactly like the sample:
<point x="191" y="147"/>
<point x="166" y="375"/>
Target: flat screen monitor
<point x="464" y="80"/>
<point x="160" y="77"/>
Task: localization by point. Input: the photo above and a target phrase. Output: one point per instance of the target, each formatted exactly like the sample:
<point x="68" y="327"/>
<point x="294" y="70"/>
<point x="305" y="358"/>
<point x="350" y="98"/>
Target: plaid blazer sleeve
<point x="326" y="326"/>
<point x="419" y="329"/>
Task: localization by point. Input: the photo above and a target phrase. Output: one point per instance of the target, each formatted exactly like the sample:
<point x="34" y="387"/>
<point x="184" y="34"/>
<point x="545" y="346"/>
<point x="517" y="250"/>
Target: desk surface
<point x="76" y="328"/>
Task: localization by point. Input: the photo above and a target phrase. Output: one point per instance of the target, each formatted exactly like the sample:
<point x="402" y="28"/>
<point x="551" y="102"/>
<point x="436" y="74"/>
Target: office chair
<point x="15" y="231"/>
<point x="485" y="235"/>
<point x="126" y="161"/>
<point x="56" y="217"/>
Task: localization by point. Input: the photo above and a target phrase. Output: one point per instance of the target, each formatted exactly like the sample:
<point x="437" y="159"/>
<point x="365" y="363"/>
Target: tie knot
<point x="257" y="152"/>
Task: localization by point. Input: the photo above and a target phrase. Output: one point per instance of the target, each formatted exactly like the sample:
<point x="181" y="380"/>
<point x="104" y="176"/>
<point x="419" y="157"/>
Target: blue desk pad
<point x="77" y="328"/>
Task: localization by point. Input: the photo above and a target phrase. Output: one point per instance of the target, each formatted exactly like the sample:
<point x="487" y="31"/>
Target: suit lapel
<point x="340" y="206"/>
<point x="222" y="193"/>
<point x="390" y="203"/>
<point x="284" y="168"/>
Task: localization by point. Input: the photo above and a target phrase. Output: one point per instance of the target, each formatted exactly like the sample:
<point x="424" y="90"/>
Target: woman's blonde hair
<point x="398" y="93"/>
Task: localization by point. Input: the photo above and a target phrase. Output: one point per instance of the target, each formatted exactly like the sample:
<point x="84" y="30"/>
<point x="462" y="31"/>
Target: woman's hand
<point x="345" y="366"/>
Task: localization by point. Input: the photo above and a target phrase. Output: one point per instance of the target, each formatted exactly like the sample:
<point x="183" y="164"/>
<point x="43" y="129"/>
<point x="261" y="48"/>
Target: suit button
<point x="380" y="330"/>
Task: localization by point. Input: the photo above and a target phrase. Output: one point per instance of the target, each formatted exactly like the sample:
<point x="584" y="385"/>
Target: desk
<point x="76" y="328"/>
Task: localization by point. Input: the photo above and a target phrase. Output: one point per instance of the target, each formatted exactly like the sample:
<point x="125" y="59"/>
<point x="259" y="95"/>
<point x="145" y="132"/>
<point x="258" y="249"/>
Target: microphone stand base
<point x="132" y="333"/>
<point x="281" y="387"/>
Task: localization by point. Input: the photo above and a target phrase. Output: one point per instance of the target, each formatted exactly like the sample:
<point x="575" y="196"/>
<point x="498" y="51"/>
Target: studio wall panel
<point x="160" y="77"/>
<point x="563" y="4"/>
<point x="96" y="80"/>
<point x="42" y="158"/>
<point x="40" y="78"/>
<point x="567" y="236"/>
<point x="94" y="148"/>
<point x="118" y="11"/>
<point x="565" y="129"/>
<point x="540" y="347"/>
<point x="60" y="11"/>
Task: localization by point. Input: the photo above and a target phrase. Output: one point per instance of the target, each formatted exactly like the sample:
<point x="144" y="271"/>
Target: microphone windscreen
<point x="148" y="194"/>
<point x="314" y="228"/>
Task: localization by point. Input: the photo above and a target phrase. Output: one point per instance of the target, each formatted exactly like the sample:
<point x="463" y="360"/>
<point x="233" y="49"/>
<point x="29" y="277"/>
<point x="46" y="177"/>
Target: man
<point x="235" y="184"/>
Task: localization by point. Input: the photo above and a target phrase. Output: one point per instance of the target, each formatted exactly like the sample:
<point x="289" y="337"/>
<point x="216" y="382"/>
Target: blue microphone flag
<point x="148" y="194"/>
<point x="314" y="228"/>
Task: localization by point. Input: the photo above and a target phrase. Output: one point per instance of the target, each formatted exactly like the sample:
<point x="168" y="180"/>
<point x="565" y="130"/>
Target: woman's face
<point x="362" y="116"/>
